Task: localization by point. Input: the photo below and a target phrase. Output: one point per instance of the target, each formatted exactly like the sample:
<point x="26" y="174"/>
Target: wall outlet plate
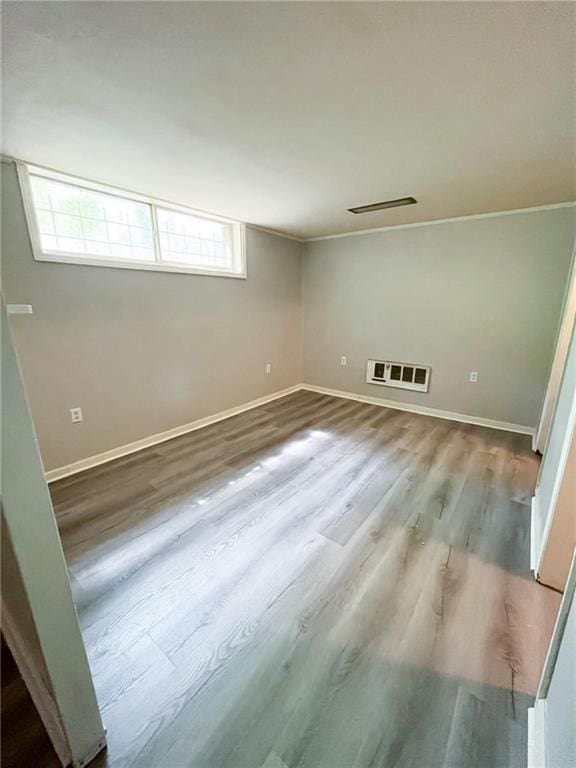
<point x="76" y="415"/>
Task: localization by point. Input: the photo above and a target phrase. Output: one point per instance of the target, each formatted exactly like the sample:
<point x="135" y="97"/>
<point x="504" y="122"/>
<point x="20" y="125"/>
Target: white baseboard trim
<point x="533" y="534"/>
<point x="161" y="437"/>
<point x="537" y="734"/>
<point x="423" y="410"/>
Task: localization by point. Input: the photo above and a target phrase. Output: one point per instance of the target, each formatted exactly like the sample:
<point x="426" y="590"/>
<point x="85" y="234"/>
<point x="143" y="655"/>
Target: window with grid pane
<point x="75" y="220"/>
<point x="187" y="239"/>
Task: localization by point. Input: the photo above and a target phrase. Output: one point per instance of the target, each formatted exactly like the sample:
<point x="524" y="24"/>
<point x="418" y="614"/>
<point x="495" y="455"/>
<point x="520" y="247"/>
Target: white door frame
<point x="39" y="619"/>
<point x="569" y="436"/>
<point x="537" y="722"/>
<point x="564" y="335"/>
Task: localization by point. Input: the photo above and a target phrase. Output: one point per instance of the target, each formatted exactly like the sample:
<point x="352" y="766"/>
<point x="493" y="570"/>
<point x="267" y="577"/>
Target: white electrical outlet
<point x="473" y="376"/>
<point x="343" y="360"/>
<point x="76" y="415"/>
<point x="268" y="368"/>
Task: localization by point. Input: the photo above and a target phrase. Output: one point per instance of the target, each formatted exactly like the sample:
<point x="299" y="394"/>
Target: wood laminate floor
<point x="316" y="583"/>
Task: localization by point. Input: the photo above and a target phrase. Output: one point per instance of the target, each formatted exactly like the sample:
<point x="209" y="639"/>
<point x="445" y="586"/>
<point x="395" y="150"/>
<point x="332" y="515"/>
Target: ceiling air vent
<point x="384" y="205"/>
<point x="401" y="375"/>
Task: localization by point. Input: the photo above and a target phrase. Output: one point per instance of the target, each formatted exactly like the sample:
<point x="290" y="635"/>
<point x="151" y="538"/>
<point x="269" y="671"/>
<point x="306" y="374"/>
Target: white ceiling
<point x="286" y="114"/>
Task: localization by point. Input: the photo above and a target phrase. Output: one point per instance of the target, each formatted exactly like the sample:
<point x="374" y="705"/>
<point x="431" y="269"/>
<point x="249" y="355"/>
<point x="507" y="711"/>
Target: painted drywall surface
<point x="477" y="295"/>
<point x="561" y="701"/>
<point x="286" y="114"/>
<point x="143" y="352"/>
<point x="553" y="453"/>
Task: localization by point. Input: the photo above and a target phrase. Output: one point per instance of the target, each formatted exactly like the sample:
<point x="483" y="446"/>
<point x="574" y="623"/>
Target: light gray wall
<point x="479" y="295"/>
<point x="143" y="352"/>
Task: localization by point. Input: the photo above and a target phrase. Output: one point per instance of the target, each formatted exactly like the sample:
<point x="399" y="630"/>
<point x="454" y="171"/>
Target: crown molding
<point x="276" y="232"/>
<point x="432" y="222"/>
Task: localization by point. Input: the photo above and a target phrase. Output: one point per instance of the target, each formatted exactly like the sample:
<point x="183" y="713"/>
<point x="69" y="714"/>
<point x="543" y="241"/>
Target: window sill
<point x="152" y="266"/>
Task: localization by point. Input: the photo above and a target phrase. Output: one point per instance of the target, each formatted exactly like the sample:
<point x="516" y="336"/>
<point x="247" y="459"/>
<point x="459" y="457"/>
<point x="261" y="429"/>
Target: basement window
<point x="74" y="221"/>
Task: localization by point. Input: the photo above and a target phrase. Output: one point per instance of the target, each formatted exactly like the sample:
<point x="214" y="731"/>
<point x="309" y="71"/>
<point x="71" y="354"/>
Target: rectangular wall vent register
<point x="401" y="375"/>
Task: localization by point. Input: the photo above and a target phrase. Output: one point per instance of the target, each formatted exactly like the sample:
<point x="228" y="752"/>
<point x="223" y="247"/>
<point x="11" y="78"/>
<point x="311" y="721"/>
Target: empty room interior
<point x="288" y="384"/>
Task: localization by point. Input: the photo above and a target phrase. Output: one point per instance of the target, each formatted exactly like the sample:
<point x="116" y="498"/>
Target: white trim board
<point x="557" y="633"/>
<point x="537" y="735"/>
<point x="431" y="222"/>
<point x="569" y="436"/>
<point x="424" y="411"/>
<point x="567" y="322"/>
<point x="161" y="437"/>
<point x="275" y="232"/>
<point x="534" y="538"/>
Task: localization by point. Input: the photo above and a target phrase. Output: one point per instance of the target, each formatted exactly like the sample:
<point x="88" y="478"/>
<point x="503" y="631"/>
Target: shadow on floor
<point x="25" y="742"/>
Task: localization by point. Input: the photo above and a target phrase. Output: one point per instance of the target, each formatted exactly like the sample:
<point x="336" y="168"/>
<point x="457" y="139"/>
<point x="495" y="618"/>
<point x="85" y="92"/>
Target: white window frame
<point x="237" y="228"/>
